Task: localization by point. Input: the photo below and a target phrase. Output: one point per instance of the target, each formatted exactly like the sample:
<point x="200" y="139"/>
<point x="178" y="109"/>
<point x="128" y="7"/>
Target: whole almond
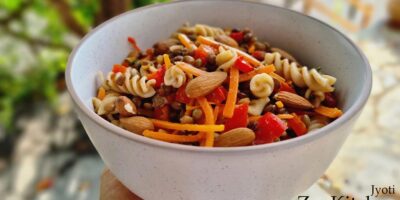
<point x="284" y="53"/>
<point x="235" y="138"/>
<point x="125" y="107"/>
<point x="293" y="100"/>
<point x="136" y="124"/>
<point x="226" y="40"/>
<point x="204" y="84"/>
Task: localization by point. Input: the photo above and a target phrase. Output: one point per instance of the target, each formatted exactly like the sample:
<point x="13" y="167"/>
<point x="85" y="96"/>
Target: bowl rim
<point x="341" y="121"/>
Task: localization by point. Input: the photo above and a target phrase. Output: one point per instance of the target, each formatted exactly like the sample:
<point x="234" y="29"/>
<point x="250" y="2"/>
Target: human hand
<point x="111" y="188"/>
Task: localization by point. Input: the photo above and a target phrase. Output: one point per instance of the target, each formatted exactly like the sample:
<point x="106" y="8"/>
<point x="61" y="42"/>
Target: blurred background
<point x="45" y="153"/>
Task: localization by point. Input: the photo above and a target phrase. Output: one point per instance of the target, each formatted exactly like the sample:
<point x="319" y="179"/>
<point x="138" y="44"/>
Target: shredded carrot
<point x="207" y="109"/>
<point x="264" y="69"/>
<point x="247" y="57"/>
<point x="190" y="69"/>
<point x="232" y="93"/>
<point x="133" y="43"/>
<point x="101" y="93"/>
<point x="285" y="116"/>
<point x="328" y="112"/>
<point x="167" y="61"/>
<point x="252" y="48"/>
<point x="215" y="113"/>
<point x="186" y="41"/>
<point x="279" y="104"/>
<point x="254" y="118"/>
<point x="189" y="107"/>
<point x="167" y="137"/>
<point x="209" y="119"/>
<point x="186" y="127"/>
<point x="277" y="77"/>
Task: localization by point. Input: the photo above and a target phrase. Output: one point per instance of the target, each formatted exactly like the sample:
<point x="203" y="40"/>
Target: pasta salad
<point x="213" y="87"/>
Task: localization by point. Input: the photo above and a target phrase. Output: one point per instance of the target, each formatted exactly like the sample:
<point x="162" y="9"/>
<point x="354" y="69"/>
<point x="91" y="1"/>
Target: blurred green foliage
<point x="35" y="42"/>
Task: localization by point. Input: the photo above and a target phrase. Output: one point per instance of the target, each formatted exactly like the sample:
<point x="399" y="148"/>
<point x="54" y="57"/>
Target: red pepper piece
<point x="297" y="125"/>
<point x="238" y="36"/>
<point x="270" y="127"/>
<point x="239" y="118"/>
<point x="286" y="87"/>
<point x="133" y="43"/>
<point x="181" y="95"/>
<point x="162" y="113"/>
<point x="119" y="68"/>
<point x="242" y="65"/>
<point x="158" y="76"/>
<point x="218" y="95"/>
<point x="259" y="55"/>
<point x="202" y="52"/>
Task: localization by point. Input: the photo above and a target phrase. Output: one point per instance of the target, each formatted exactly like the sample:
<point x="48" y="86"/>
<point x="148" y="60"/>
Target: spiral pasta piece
<point x="256" y="106"/>
<point x="225" y="59"/>
<point x="131" y="83"/>
<point x="318" y="97"/>
<point x="301" y="76"/>
<point x="317" y="123"/>
<point x="147" y="68"/>
<point x="205" y="30"/>
<point x="105" y="106"/>
<point x="174" y="77"/>
<point x="261" y="85"/>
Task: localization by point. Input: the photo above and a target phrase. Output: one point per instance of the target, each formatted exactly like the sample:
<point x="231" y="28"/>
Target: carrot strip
<point x="167" y="61"/>
<point x="186" y="127"/>
<point x="215" y="44"/>
<point x="277" y="77"/>
<point x="254" y="118"/>
<point x="207" y="109"/>
<point x="285" y="116"/>
<point x="190" y="69"/>
<point x="215" y="113"/>
<point x="167" y="137"/>
<point x="186" y="41"/>
<point x="264" y="69"/>
<point x="232" y="93"/>
<point x="252" y="48"/>
<point x="101" y="93"/>
<point x="209" y="119"/>
<point x="328" y="112"/>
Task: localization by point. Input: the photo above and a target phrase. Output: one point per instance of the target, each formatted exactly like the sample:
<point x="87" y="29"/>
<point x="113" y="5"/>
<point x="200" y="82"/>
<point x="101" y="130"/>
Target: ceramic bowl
<point x="159" y="170"/>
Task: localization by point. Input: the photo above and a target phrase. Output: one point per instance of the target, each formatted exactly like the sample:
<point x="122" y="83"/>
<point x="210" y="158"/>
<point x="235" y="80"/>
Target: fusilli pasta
<point x="131" y="83"/>
<point x="225" y="59"/>
<point x="147" y="68"/>
<point x="206" y="30"/>
<point x="262" y="85"/>
<point x="317" y="123"/>
<point x="318" y="97"/>
<point x="256" y="106"/>
<point x="174" y="77"/>
<point x="105" y="106"/>
<point x="301" y="76"/>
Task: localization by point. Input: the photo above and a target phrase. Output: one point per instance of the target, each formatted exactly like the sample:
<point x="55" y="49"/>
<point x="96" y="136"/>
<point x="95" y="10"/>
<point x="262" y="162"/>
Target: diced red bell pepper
<point x="202" y="52"/>
<point x="158" y="76"/>
<point x="297" y="125"/>
<point x="270" y="127"/>
<point x="218" y="95"/>
<point x="239" y="118"/>
<point x="286" y="87"/>
<point x="259" y="55"/>
<point x="119" y="68"/>
<point x="162" y="113"/>
<point x="133" y="43"/>
<point x="330" y="100"/>
<point x="181" y="95"/>
<point x="238" y="36"/>
<point x="242" y="65"/>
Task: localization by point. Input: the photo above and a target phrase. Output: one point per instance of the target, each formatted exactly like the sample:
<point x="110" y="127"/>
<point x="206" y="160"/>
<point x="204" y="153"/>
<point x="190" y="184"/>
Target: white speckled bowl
<point x="158" y="170"/>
